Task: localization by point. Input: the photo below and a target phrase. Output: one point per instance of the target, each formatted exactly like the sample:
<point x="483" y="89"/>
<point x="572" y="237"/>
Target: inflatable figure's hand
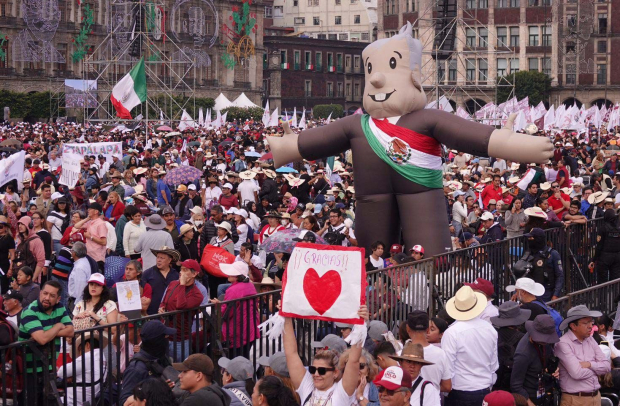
<point x="284" y="149"/>
<point x="507" y="144"/>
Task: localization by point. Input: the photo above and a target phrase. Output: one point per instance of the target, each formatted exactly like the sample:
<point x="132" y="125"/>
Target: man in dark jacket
<point x="493" y="229"/>
<point x="151" y="360"/>
<point x="197" y="379"/>
<point x="270" y="187"/>
<point x="210" y="230"/>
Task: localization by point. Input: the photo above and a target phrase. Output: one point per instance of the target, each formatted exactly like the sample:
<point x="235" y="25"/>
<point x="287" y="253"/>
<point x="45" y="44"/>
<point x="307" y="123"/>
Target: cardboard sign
<point x="324" y="282"/>
<point x="128" y="294"/>
<point x="12" y="167"/>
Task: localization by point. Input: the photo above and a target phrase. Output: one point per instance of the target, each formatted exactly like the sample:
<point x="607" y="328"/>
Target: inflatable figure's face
<point x="392" y="84"/>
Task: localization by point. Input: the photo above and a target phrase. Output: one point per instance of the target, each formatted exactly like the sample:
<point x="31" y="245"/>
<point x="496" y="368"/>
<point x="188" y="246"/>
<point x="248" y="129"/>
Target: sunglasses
<point x="321" y="370"/>
<point x="389" y="392"/>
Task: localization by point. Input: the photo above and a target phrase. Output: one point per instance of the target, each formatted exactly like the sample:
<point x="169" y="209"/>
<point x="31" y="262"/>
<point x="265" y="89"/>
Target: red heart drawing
<point x="322" y="291"/>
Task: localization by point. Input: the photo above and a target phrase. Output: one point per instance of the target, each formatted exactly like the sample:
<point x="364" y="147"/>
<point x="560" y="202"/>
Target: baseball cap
<point x="193" y="265"/>
<point x="196" y="362"/>
<point x="97" y="278"/>
<point x="191" y="187"/>
<point x="417" y="248"/>
<point x="13" y="295"/>
<point x="239" y="367"/>
<point x="330" y="199"/>
<point x="487" y="216"/>
<point x="153" y="329"/>
<point x="331" y="342"/>
<point x="482" y="285"/>
<point x="396" y="248"/>
<point x="376" y="329"/>
<point x="227" y="186"/>
<point x="417" y="320"/>
<point x="536" y="232"/>
<point x="308" y="236"/>
<point x="277" y="362"/>
<point x="394" y="378"/>
<point x="466" y="236"/>
<point x="499" y="398"/>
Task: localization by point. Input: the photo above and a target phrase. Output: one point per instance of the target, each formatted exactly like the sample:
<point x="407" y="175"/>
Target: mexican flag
<point x="531" y="176"/>
<point x="130" y="91"/>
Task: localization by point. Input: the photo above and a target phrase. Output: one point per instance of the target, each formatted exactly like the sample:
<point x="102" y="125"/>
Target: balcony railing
<point x="34" y="72"/>
<point x="242" y="85"/>
<point x="7" y="72"/>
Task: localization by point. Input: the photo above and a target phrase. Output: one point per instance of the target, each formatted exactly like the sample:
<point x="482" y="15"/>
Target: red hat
<point x="418" y="248"/>
<point x="396" y="248"/>
<point x="482" y="285"/>
<point x="393" y="378"/>
<point x="499" y="398"/>
<point x="193" y="265"/>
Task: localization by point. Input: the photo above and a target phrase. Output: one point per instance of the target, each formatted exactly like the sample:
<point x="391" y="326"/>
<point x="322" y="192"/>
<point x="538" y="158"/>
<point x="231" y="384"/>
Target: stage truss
<point x="434" y="32"/>
<point x="138" y="29"/>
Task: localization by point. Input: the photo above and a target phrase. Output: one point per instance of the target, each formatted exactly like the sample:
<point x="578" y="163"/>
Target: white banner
<point x="107" y="149"/>
<point x="70" y="169"/>
<point x="12" y="168"/>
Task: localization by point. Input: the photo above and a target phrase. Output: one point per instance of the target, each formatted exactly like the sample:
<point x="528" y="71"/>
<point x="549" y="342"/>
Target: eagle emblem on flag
<point x="398" y="151"/>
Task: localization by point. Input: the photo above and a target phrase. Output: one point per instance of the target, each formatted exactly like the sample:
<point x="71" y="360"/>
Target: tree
<point x="324" y="110"/>
<point x="535" y="85"/>
<point x="242" y="114"/>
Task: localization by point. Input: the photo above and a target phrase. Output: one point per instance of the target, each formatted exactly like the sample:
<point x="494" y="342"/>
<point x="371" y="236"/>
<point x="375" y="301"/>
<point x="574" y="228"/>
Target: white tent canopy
<point x="243" y="102"/>
<point x="221" y="102"/>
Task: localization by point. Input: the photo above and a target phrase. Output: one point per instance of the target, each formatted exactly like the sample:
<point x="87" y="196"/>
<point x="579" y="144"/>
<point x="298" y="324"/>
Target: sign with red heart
<point x="324" y="282"/>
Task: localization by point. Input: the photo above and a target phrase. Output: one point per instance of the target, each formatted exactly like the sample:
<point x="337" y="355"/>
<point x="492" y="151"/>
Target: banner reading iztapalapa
<point x="72" y="154"/>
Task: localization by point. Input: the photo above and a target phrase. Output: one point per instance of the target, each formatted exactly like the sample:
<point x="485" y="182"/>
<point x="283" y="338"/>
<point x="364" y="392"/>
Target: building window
<point x="470" y="4"/>
<point x="297" y="60"/>
<point x="356" y="19"/>
<point x="570" y="77"/>
<point x="602" y="23"/>
<point x="343" y="37"/>
<point x="332" y="37"/>
<point x="330" y="89"/>
<point x="546" y="2"/>
<point x="62" y="50"/>
<point x="533" y="39"/>
<point x="601" y="47"/>
<point x="514" y="36"/>
<point x="330" y="60"/>
<point x="347" y="63"/>
<point x="502" y="36"/>
<point x="514" y="3"/>
<point x="441" y="72"/>
<point x="316" y="21"/>
<point x="483" y="70"/>
<point x="356" y="62"/>
<point x="501" y="67"/>
<point x="514" y="65"/>
<point x="348" y="89"/>
<point x="546" y="36"/>
<point x="308" y="88"/>
<point x="532" y="3"/>
<point x="483" y="4"/>
<point x="470" y="70"/>
<point x="295" y="3"/>
<point x="532" y="64"/>
<point x="365" y="37"/>
<point x="283" y="57"/>
<point x="570" y="47"/>
<point x="571" y="20"/>
<point x="268" y="12"/>
<point x="339" y="89"/>
<point x="483" y="37"/>
<point x="338" y="2"/>
<point x="278" y="11"/>
<point x="300" y="21"/>
<point x="502" y="3"/>
<point x="452" y="70"/>
<point x="318" y="57"/>
<point x="356" y="89"/>
<point x="546" y="66"/>
<point x="470" y="37"/>
<point x="308" y="59"/>
<point x="338" y="20"/>
<point x="601" y="74"/>
<point x="339" y="63"/>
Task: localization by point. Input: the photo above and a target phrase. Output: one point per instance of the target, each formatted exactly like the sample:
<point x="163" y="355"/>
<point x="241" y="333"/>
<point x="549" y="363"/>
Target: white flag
<point x="329" y="119"/>
<point x="201" y="120"/>
<point x="273" y="120"/>
<point x="294" y="121"/>
<point x="161" y="117"/>
<point x="186" y="121"/>
<point x="207" y="122"/>
<point x="596" y="118"/>
<point x="224" y="119"/>
<point x="302" y="122"/>
<point x="266" y="115"/>
<point x="218" y="120"/>
<point x="13" y="168"/>
<point x="184" y="147"/>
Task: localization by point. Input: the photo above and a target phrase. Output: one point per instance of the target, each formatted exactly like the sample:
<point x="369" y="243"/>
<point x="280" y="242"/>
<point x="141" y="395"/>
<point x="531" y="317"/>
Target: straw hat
<point x="466" y="304"/>
<point x="535" y="212"/>
<point x="140" y="171"/>
<point x="513" y="180"/>
<point x="174" y="254"/>
<point x="270" y="173"/>
<point x="247" y="175"/>
<point x="267" y="281"/>
<point x="596" y="198"/>
<point x="545" y="186"/>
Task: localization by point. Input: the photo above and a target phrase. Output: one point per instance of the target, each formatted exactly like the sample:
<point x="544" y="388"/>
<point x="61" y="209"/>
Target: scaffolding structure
<point x="57" y="98"/>
<point x="137" y="29"/>
<point x="443" y="28"/>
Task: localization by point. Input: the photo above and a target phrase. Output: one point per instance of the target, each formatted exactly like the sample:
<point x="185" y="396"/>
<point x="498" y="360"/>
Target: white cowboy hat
<point x="466" y="304"/>
<point x="596" y="198"/>
<point x="535" y="212"/>
<point x="247" y="175"/>
<point x="527" y="285"/>
<point x="270" y="173"/>
<point x="545" y="186"/>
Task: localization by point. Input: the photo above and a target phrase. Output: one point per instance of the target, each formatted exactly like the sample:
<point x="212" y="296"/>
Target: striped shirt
<point x="34" y="318"/>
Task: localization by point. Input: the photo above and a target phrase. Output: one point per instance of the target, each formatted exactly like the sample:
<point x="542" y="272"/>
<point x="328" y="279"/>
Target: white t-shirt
<point x="57" y="224"/>
<point x="212" y="194"/>
<point x="242" y="230"/>
<point x="441" y="368"/>
<point x="431" y="395"/>
<point x="379" y="264"/>
<point x="247" y="189"/>
<point x="319" y="398"/>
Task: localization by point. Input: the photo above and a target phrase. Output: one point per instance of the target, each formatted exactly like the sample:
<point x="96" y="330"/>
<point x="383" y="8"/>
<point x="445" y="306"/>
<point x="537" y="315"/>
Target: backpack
<point x="555" y="315"/>
<point x="25" y="257"/>
<point x="66" y="220"/>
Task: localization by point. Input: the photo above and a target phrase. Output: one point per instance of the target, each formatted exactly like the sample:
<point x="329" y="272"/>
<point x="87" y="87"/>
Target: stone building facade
<point x="304" y="72"/>
<point x="572" y="41"/>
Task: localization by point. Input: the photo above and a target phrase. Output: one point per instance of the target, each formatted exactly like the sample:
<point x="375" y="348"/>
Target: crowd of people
<point x="63" y="248"/>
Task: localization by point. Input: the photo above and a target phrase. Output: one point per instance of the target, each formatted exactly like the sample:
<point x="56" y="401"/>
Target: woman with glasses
<point x="366" y="392"/>
<point x="323" y="381"/>
<point x="55" y="221"/>
<point x="96" y="303"/>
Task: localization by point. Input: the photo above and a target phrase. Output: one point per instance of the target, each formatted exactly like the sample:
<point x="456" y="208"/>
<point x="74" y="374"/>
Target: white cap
<point x="225" y="225"/>
<point x="227" y="186"/>
<point x="197" y="210"/>
<point x="487" y="216"/>
<point x="199" y="150"/>
<point x="527" y="285"/>
<point x="243" y="213"/>
<point x="191" y="187"/>
<point x="235" y="269"/>
<point x="97" y="278"/>
<point x="57" y="195"/>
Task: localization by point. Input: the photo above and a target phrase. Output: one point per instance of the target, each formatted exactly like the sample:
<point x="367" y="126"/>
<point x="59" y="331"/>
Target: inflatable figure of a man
<point x="397" y="152"/>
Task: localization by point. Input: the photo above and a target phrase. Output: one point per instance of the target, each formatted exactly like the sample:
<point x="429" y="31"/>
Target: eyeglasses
<point x="321" y="370"/>
<point x="390" y="392"/>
